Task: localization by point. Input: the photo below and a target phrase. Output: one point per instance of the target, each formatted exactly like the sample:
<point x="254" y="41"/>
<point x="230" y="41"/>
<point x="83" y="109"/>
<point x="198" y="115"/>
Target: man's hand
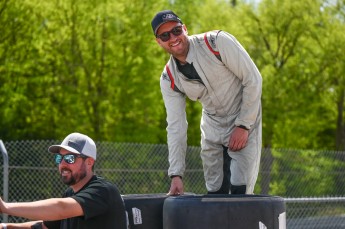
<point x="2" y="206"/>
<point x="176" y="187"/>
<point x="238" y="139"/>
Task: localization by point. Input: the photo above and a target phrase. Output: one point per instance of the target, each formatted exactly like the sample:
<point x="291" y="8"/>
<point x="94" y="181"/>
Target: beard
<point x="180" y="52"/>
<point x="74" y="177"/>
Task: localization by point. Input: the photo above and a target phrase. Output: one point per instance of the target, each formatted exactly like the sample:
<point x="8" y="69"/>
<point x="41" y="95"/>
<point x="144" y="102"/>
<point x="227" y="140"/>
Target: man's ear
<point x="159" y="41"/>
<point x="90" y="161"/>
<point x="185" y="28"/>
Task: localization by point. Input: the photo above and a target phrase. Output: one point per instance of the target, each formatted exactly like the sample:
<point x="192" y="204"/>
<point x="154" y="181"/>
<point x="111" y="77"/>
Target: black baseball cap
<point x="163" y="17"/>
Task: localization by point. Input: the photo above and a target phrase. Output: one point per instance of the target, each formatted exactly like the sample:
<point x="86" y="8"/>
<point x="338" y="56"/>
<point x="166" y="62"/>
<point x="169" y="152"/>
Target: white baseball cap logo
<point x="168" y="16"/>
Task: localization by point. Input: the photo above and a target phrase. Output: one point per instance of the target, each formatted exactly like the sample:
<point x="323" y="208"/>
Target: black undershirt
<point x="188" y="70"/>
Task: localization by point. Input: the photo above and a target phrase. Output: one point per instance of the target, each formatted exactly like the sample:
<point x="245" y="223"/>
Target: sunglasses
<point x="177" y="31"/>
<point x="68" y="158"/>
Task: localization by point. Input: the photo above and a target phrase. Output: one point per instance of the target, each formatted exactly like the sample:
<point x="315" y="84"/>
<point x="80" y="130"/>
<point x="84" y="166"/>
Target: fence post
<point x="5" y="177"/>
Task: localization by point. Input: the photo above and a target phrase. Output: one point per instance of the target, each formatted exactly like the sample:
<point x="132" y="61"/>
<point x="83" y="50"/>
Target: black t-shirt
<point x="102" y="204"/>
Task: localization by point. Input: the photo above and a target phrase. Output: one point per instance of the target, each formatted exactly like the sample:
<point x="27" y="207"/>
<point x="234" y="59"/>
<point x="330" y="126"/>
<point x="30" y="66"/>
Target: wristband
<point x="243" y="127"/>
<point x="172" y="176"/>
<point x="37" y="225"/>
<point x="4" y="226"/>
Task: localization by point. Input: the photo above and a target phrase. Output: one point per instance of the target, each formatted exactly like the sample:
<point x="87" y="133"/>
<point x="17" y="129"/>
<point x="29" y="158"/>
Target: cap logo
<point x="168" y="16"/>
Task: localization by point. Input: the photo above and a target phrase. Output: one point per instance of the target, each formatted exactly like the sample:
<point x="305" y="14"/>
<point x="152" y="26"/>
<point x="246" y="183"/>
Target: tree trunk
<point x="340" y="134"/>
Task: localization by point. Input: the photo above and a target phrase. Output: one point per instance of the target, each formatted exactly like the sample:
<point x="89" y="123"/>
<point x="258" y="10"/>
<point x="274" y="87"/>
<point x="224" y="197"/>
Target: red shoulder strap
<point x="209" y="46"/>
<point x="172" y="85"/>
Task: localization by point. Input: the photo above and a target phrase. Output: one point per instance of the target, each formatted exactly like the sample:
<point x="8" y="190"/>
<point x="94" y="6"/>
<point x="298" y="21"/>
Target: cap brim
<point x="56" y="149"/>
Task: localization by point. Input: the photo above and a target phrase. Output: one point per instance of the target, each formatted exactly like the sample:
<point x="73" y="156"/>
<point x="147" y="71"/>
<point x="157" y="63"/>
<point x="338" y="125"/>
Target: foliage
<point x="94" y="67"/>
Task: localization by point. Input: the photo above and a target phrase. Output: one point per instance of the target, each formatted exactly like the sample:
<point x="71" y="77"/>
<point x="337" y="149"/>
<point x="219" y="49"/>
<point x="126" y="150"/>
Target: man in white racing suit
<point x="214" y="69"/>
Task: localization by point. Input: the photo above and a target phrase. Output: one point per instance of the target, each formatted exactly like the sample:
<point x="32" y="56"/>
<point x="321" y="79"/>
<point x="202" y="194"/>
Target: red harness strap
<point x="209" y="46"/>
<point x="172" y="85"/>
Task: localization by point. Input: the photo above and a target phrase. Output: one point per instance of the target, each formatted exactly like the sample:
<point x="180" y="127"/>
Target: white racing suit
<point x="230" y="94"/>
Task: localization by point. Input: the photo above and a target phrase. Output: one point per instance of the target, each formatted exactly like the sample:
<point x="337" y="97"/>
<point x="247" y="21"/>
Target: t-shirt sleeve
<point x="95" y="199"/>
<point x="52" y="224"/>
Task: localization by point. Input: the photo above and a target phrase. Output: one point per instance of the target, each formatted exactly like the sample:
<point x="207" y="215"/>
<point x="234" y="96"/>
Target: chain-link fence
<point x="316" y="213"/>
<point x="142" y="168"/>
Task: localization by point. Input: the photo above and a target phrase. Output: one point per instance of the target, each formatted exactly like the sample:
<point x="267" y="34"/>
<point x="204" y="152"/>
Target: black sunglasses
<point x="68" y="158"/>
<point x="177" y="31"/>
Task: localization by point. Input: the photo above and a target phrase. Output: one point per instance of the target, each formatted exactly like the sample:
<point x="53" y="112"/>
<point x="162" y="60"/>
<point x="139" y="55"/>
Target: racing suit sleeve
<point x="175" y="105"/>
<point x="236" y="58"/>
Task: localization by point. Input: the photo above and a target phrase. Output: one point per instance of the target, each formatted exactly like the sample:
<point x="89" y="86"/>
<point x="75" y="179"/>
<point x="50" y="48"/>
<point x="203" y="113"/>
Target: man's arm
<point x="175" y="105"/>
<point x="48" y="209"/>
<point x="25" y="225"/>
<point x="236" y="58"/>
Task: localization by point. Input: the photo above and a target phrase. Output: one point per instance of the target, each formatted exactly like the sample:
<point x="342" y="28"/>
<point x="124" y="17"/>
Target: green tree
<point x="284" y="40"/>
<point x="94" y="67"/>
<point x="20" y="72"/>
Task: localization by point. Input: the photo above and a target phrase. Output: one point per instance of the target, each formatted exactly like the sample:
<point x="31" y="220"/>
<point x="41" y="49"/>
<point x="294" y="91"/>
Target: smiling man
<point x="214" y="69"/>
<point x="90" y="202"/>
